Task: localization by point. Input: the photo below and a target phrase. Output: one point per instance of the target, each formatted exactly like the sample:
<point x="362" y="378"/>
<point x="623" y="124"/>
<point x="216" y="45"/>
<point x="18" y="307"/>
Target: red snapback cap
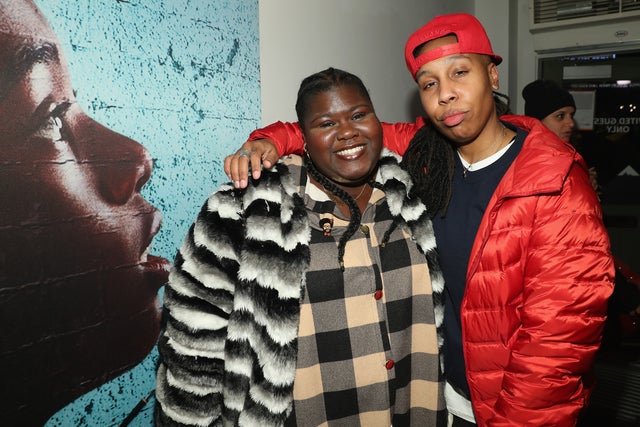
<point x="470" y="33"/>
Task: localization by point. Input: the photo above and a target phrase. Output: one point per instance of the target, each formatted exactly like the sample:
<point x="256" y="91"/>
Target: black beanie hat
<point x="543" y="97"/>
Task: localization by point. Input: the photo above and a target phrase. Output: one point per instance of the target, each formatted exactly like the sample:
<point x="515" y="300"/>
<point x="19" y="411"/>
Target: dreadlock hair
<point x="502" y="103"/>
<point x="318" y="83"/>
<point x="354" y="210"/>
<point x="429" y="160"/>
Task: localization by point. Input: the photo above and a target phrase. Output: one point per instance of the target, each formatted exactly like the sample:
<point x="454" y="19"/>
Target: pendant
<point x="327" y="226"/>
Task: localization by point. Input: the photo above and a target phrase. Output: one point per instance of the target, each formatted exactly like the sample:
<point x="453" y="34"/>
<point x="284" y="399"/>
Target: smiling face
<point x="456" y="92"/>
<point x="343" y="134"/>
<point x="78" y="292"/>
<point x="561" y="122"/>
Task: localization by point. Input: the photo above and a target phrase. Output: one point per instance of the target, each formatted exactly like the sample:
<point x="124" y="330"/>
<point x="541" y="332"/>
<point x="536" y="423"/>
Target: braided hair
<point x="429" y="159"/>
<point x="354" y="210"/>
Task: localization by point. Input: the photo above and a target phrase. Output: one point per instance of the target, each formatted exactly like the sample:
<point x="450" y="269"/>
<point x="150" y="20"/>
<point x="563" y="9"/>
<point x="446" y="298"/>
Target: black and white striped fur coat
<point x="228" y="349"/>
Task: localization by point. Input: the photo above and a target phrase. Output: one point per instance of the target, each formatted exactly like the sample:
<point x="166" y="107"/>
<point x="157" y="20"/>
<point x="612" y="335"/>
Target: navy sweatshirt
<point x="455" y="234"/>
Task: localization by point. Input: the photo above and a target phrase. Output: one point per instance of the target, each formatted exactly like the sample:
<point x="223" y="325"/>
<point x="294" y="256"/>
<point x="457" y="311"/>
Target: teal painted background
<point x="181" y="78"/>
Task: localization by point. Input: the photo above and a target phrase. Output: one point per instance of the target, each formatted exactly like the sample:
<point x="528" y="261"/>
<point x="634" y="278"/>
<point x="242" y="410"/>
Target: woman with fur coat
<point x="312" y="297"/>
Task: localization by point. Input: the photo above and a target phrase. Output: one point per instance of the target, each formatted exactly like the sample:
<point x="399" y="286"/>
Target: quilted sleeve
<point x="288" y="139"/>
<point x="286" y="136"/>
<point x="568" y="278"/>
<point x="398" y="135"/>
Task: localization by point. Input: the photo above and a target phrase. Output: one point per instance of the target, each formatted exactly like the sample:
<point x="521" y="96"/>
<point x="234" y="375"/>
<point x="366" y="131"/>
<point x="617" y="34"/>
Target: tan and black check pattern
<point x="364" y="361"/>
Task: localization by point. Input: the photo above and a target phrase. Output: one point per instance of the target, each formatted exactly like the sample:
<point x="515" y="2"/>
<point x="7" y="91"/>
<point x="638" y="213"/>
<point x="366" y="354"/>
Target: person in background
<point x="555" y="107"/>
<point x="525" y="256"/>
<point x="307" y="298"/>
<point x="78" y="289"/>
<point x="552" y="105"/>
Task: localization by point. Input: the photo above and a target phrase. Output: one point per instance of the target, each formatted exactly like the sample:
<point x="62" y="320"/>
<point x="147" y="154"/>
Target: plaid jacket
<point x="237" y="295"/>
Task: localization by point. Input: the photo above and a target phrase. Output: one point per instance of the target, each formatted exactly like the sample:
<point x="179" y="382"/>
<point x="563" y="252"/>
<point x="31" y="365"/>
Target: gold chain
<point x="339" y="201"/>
<point x="497" y="140"/>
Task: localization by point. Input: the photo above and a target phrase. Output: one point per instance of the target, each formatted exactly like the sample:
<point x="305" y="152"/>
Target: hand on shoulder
<point x="258" y="153"/>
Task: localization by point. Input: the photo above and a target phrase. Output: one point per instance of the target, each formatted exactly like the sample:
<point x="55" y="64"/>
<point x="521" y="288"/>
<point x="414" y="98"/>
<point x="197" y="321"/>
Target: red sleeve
<point x="287" y="136"/>
<point x="568" y="278"/>
<point x="398" y="135"/>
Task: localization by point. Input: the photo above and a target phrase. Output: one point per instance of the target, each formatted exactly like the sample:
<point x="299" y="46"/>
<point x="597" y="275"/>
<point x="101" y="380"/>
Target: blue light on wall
<point x="181" y="78"/>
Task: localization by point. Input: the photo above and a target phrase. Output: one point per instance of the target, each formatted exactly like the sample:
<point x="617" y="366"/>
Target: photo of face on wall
<point x="78" y="289"/>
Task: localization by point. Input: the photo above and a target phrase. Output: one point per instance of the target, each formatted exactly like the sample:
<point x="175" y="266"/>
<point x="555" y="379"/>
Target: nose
<point x="129" y="172"/>
<point x="121" y="165"/>
<point x="347" y="130"/>
<point x="446" y="94"/>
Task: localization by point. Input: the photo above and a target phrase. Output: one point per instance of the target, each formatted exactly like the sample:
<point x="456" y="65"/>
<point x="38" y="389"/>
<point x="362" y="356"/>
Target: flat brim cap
<point x="472" y="38"/>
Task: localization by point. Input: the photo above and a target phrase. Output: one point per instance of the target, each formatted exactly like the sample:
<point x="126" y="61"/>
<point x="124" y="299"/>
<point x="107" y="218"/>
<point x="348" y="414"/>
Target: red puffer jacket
<point x="538" y="280"/>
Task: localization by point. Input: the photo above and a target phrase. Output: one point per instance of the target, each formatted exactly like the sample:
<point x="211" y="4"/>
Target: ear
<point x="492" y="71"/>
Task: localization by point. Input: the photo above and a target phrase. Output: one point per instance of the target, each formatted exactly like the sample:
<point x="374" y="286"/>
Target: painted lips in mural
<point x="78" y="289"/>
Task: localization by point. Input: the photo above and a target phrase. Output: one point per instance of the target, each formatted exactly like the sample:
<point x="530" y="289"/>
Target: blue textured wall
<point x="182" y="78"/>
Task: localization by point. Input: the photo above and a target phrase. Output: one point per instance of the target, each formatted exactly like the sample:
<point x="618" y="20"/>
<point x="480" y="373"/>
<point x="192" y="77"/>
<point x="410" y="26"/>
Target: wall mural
<point x="116" y="116"/>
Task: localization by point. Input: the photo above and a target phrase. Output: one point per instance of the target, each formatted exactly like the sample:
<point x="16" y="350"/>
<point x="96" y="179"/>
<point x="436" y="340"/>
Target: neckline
<point x="480" y="164"/>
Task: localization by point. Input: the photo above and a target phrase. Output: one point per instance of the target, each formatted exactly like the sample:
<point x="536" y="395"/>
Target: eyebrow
<point x="351" y="110"/>
<point x="23" y="60"/>
<point x="448" y="60"/>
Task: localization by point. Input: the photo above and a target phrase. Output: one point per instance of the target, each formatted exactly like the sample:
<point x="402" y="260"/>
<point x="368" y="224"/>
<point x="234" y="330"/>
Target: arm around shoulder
<point x="263" y="148"/>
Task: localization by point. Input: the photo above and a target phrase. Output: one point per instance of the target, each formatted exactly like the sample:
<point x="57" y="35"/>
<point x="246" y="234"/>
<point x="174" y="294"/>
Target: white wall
<point x="524" y="65"/>
<point x="494" y="15"/>
<point x="365" y="37"/>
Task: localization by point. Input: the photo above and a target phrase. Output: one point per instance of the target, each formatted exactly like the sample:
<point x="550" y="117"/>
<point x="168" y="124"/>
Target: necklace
<point x="361" y="192"/>
<point x="496" y="143"/>
<point x="339" y="201"/>
<point x="465" y="169"/>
